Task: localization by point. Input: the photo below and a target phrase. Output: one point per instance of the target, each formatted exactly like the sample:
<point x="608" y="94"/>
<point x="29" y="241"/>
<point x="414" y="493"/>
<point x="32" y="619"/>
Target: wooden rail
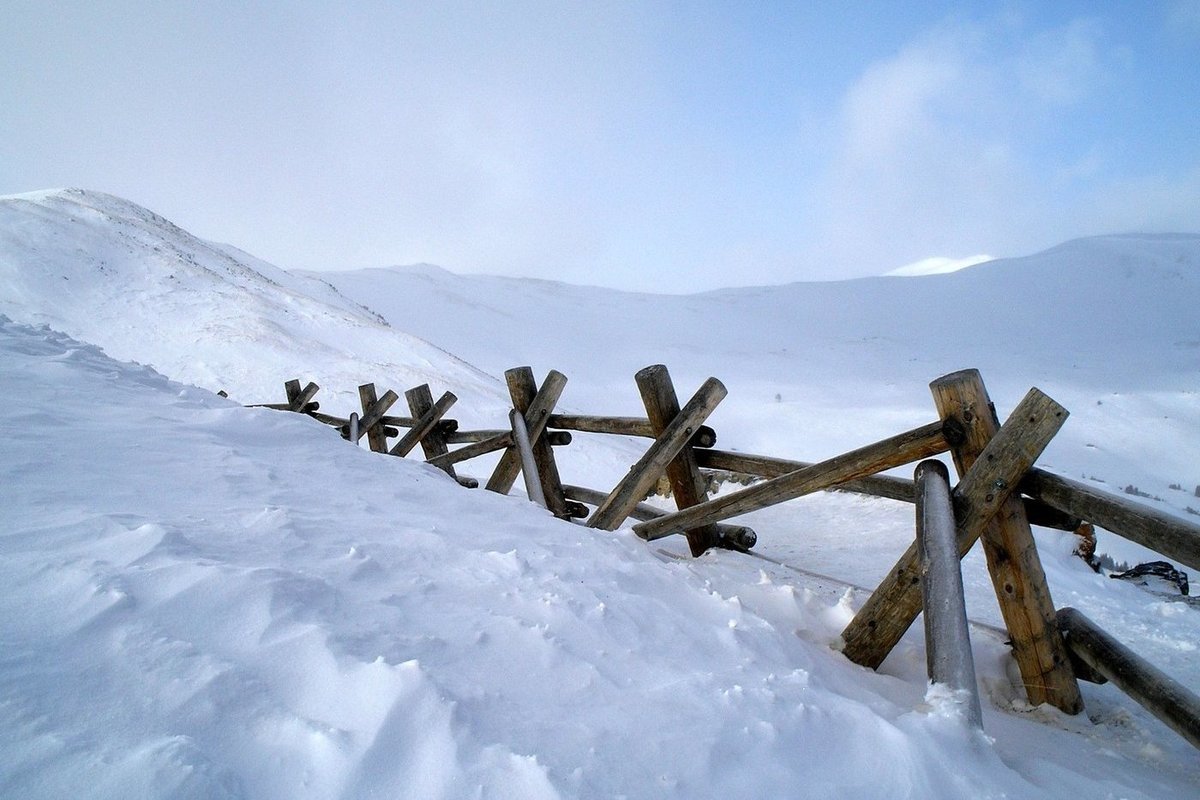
<point x="1000" y="493"/>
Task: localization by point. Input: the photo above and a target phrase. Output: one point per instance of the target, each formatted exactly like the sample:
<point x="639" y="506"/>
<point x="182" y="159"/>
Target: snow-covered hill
<point x="114" y="274"/>
<point x="204" y="600"/>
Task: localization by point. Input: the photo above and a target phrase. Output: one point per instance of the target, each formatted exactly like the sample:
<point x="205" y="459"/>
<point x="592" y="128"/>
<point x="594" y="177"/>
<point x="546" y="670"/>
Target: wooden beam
<point x="642" y="475"/>
<point x="538" y="413"/>
<point x="1162" y="533"/>
<point x="373" y="411"/>
<point x="905" y="448"/>
<point x="529" y="467"/>
<point x="735" y="537"/>
<point x="523" y="389"/>
<point x="424" y="425"/>
<point x="687" y="484"/>
<point x="555" y="438"/>
<point x="298" y="402"/>
<point x="1156" y="691"/>
<point x="993" y="466"/>
<point x="433" y="443"/>
<point x="886" y="486"/>
<point x="624" y="426"/>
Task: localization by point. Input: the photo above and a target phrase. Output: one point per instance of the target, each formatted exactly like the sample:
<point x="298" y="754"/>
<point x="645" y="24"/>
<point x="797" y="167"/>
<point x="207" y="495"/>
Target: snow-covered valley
<point x="205" y="600"/>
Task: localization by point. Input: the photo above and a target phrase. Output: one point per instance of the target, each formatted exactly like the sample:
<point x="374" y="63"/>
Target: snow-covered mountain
<point x="111" y="273"/>
<point x="204" y="600"/>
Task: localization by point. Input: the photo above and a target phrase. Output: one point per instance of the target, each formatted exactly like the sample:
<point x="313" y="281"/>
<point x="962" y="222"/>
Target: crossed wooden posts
<point x="995" y="468"/>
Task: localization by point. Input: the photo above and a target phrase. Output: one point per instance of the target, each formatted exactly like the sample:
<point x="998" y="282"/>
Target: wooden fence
<point x="998" y="496"/>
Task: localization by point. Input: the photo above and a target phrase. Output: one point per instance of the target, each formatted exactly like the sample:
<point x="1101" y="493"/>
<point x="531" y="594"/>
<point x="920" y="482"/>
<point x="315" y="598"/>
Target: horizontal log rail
<point x="624" y="426"/>
<point x="1162" y="533"/>
<point x="734" y="537"/>
<point x="1156" y="691"/>
<point x="885" y="486"/>
<point x="914" y="445"/>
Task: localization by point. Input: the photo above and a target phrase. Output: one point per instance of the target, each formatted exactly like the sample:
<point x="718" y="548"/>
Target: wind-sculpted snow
<point x="208" y="601"/>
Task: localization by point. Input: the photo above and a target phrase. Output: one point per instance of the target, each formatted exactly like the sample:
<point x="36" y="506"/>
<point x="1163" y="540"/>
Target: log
<point x="1153" y="689"/>
<point x="424" y="425"/>
<point x="624" y="426"/>
<point x="768" y="467"/>
<point x="433" y="444"/>
<point x="948" y="658"/>
<point x="446" y="426"/>
<point x="984" y="492"/>
<point x="642" y="475"/>
<point x="741" y="535"/>
<point x="529" y="467"/>
<point x="373" y="411"/>
<point x="687" y="484"/>
<point x="297" y="401"/>
<point x="523" y="389"/>
<point x="1174" y="538"/>
<point x="886" y="486"/>
<point x="498" y="442"/>
<point x="307" y="409"/>
<point x="536" y="416"/>
<point x="910" y="446"/>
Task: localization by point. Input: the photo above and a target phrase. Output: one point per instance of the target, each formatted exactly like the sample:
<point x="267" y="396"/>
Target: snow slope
<point x="112" y="273"/>
<point x="285" y="616"/>
<point x="204" y="600"/>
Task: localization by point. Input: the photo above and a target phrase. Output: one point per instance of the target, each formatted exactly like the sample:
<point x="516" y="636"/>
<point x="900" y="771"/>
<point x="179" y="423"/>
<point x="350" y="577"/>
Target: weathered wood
<point x="886" y="486"/>
<point x="948" y="657"/>
<point x="740" y="535"/>
<point x="292" y="390"/>
<point x="555" y="438"/>
<point x="624" y="426"/>
<point x="643" y="475"/>
<point x="687" y="484"/>
<point x="373" y="411"/>
<point x="433" y="443"/>
<point x="298" y="401"/>
<point x="498" y="442"/>
<point x="529" y="467"/>
<point x="1153" y="689"/>
<point x="446" y="426"/>
<point x="307" y="409"/>
<point x="1173" y="537"/>
<point x="523" y="389"/>
<point x="536" y="417"/>
<point x="768" y="467"/>
<point x="984" y="492"/>
<point x="424" y="425"/>
<point x="1013" y="561"/>
<point x="907" y="447"/>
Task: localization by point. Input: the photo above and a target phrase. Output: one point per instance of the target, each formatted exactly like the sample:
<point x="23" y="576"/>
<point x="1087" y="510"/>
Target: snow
<point x="205" y="600"/>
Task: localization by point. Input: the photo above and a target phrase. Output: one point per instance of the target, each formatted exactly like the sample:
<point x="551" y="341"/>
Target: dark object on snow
<point x="1155" y="569"/>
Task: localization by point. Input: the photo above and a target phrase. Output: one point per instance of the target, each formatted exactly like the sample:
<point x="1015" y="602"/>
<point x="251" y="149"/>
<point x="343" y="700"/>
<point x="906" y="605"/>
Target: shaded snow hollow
<point x="203" y="600"/>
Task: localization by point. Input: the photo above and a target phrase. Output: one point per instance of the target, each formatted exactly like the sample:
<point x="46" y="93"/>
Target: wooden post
<point x="433" y="443"/>
<point x="910" y="446"/>
<point x="1012" y="556"/>
<point x="529" y="467"/>
<point x="642" y="475"/>
<point x="423" y="426"/>
<point x="536" y="413"/>
<point x="522" y="388"/>
<point x="989" y="477"/>
<point x="687" y="484"/>
<point x="948" y="657"/>
<point x="373" y="411"/>
<point x="298" y="398"/>
<point x="1156" y="691"/>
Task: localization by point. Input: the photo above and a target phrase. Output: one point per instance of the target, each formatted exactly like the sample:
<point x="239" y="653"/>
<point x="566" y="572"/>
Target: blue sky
<point x="655" y="146"/>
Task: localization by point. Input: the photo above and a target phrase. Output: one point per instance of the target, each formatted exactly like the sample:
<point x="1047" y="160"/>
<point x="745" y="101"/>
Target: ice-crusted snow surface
<point x="203" y="600"/>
